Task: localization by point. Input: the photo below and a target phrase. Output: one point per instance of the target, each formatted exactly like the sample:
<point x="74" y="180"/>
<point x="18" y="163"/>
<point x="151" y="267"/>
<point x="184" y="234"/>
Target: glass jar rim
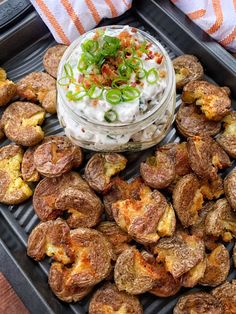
<point x="117" y="127"/>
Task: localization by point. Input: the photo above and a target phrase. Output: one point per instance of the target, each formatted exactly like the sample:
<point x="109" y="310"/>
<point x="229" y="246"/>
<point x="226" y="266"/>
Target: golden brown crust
<point x="52" y="57"/>
<point x="141" y="218"/>
<point x="7" y="92"/>
<point x="70" y="193"/>
<point x="234" y="255"/>
<point x="179" y="253"/>
<point x="108" y="299"/>
<point x="29" y="172"/>
<point x="13" y="189"/>
<point x="227" y="139"/>
<point x="101" y="167"/>
<point x="188" y="199"/>
<point x="191" y="121"/>
<point x="192" y="277"/>
<point x="206" y="157"/>
<point x="56" y="155"/>
<point x="198" y="303"/>
<point x="213" y="100"/>
<point x="21" y="122"/>
<point x="187" y="68"/>
<point x="230" y="188"/>
<point x="217" y="269"/>
<point x="226" y="294"/>
<point x="35" y="87"/>
<point x="158" y="172"/>
<point x="133" y="273"/>
<point x="221" y="221"/>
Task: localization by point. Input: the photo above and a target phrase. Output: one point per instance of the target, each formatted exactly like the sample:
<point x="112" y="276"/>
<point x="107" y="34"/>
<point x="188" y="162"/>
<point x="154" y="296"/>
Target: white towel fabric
<point x="67" y="19"/>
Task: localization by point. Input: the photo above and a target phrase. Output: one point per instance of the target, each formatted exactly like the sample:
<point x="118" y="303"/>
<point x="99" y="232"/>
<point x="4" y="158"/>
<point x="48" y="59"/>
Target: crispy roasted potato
<point x="213" y="100"/>
<point x="41" y="87"/>
<point x="226" y="294"/>
<point x="227" y="139"/>
<point x="13" y="189"/>
<point x="234" y="255"/>
<point x="52" y="58"/>
<point x="133" y="273"/>
<point x="221" y="221"/>
<point x="158" y="171"/>
<point x="21" y="122"/>
<point x="56" y="155"/>
<point x="101" y="167"/>
<point x="187" y="69"/>
<point x="212" y="188"/>
<point x="108" y="299"/>
<point x="118" y="238"/>
<point x="188" y="199"/>
<point x="166" y="285"/>
<point x="68" y="193"/>
<point x="143" y="219"/>
<point x="179" y="253"/>
<point x="191" y="121"/>
<point x="192" y="277"/>
<point x="51" y="238"/>
<point x="230" y="188"/>
<point x="3" y="74"/>
<point x="217" y="268"/>
<point x="7" y="92"/>
<point x="206" y="157"/>
<point x="198" y="303"/>
<point x="29" y="172"/>
<point x="121" y="190"/>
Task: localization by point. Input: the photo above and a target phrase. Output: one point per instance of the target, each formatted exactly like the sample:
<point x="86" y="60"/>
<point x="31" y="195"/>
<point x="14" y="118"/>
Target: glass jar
<point x="149" y="130"/>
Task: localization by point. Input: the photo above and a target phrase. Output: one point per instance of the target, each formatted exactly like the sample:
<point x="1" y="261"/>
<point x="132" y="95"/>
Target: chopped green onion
<point x="113" y="96"/>
<point x="142" y="47"/>
<point x="124" y="70"/>
<point x="130" y="93"/>
<point x="82" y="65"/>
<point x="94" y="92"/>
<point x="64" y="81"/>
<point x="152" y="76"/>
<point x="111" y="115"/>
<point x="68" y="70"/>
<point x="141" y="73"/>
<point x="89" y="46"/>
<point x="115" y="83"/>
<point x="111" y="45"/>
<point x="134" y="62"/>
<point x="75" y="96"/>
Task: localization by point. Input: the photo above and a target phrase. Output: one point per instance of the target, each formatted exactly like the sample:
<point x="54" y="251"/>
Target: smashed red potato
<point x="226" y="294"/>
<point x="227" y="138"/>
<point x="29" y="172"/>
<point x="52" y="58"/>
<point x="230" y="188"/>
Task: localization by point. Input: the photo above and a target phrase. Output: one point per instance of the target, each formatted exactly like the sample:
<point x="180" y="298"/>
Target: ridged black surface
<point x="16" y="222"/>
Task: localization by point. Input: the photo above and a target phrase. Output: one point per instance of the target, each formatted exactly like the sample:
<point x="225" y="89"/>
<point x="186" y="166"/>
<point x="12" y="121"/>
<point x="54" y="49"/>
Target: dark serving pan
<point x="21" y="51"/>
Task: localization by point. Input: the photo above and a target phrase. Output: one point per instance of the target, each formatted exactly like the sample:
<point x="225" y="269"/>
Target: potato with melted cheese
<point x="21" y="123"/>
<point x="226" y="294"/>
<point x="13" y="189"/>
<point x="213" y="100"/>
<point x="101" y="168"/>
<point x="227" y="138"/>
<point x="145" y="219"/>
<point x="109" y="300"/>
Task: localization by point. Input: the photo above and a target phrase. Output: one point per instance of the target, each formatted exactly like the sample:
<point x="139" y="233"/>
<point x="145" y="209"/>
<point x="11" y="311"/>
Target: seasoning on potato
<point x="29" y="172"/>
<point x="7" y="88"/>
<point x="230" y="188"/>
<point x="226" y="294"/>
<point x="52" y="58"/>
<point x="227" y="138"/>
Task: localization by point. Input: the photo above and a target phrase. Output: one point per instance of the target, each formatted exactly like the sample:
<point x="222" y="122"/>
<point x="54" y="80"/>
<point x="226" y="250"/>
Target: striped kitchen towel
<point x="216" y="17"/>
<point x="67" y="19"/>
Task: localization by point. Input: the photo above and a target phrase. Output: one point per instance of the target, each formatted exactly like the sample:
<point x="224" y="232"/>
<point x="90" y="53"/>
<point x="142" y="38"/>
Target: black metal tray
<point x="19" y="57"/>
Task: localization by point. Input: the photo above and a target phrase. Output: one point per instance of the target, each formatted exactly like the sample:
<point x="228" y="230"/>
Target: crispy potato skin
<point x="101" y="167"/>
<point x="29" y="172"/>
<point x="187" y="68"/>
<point x="217" y="269"/>
<point x="192" y="277"/>
<point x="213" y="100"/>
<point x="158" y="172"/>
<point x="187" y="199"/>
<point x="198" y="303"/>
<point x="57" y="155"/>
<point x="227" y="139"/>
<point x="190" y="121"/>
<point x="13" y="189"/>
<point x="52" y="58"/>
<point x="230" y="188"/>
<point x="226" y="294"/>
<point x="133" y="273"/>
<point x="38" y="87"/>
<point x="108" y="299"/>
<point x="21" y="122"/>
<point x="121" y="190"/>
<point x="179" y="253"/>
<point x="221" y="221"/>
<point x="7" y="91"/>
<point x="234" y="255"/>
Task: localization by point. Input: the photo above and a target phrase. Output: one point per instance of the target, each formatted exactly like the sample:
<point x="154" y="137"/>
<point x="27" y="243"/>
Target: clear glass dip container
<point x="146" y="132"/>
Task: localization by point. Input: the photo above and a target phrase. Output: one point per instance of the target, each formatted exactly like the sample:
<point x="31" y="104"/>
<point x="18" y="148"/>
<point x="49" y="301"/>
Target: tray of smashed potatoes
<point x="132" y="232"/>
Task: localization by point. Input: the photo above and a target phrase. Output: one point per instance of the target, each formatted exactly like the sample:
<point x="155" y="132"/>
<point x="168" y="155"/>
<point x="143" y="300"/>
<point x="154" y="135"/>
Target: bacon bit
<point x="87" y="84"/>
<point x="94" y="102"/>
<point x="141" y="83"/>
<point x="159" y="59"/>
<point x="139" y="53"/>
<point x="125" y="39"/>
<point x="133" y="84"/>
<point x="80" y="78"/>
<point x="133" y="30"/>
<point x="162" y="74"/>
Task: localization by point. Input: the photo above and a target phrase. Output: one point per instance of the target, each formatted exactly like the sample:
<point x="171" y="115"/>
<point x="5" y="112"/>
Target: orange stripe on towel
<point x="112" y="8"/>
<point x="73" y="16"/>
<point x="219" y="17"/>
<point x="196" y="14"/>
<point x="93" y="11"/>
<point x="51" y="18"/>
<point x="234" y="2"/>
<point x="229" y="38"/>
<point x="128" y="5"/>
